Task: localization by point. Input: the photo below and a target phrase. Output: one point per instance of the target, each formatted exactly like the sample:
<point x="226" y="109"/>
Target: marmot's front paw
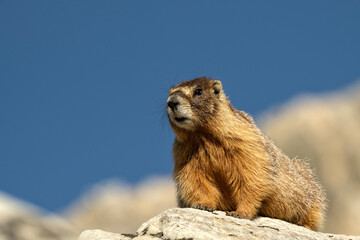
<point x="237" y="215"/>
<point x="202" y="207"/>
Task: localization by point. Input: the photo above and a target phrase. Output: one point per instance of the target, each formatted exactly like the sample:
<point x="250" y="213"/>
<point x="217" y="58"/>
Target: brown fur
<point x="223" y="161"/>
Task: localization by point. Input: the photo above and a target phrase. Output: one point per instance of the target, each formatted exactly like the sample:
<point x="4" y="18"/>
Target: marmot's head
<point x="193" y="104"/>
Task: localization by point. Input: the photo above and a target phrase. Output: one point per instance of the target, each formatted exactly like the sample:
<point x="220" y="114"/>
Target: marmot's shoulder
<point x="244" y="115"/>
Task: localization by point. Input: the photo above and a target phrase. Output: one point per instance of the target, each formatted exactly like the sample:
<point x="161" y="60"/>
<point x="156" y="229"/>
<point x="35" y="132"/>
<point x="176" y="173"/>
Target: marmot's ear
<point x="217" y="86"/>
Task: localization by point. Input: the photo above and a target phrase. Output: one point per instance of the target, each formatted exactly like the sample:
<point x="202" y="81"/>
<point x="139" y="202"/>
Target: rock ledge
<point x="176" y="224"/>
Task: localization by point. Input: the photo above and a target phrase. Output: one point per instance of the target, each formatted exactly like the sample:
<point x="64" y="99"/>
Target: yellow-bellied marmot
<point x="223" y="161"/>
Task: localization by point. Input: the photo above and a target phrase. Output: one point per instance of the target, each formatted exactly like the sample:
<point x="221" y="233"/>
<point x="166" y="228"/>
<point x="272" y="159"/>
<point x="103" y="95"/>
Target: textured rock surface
<point x="194" y="224"/>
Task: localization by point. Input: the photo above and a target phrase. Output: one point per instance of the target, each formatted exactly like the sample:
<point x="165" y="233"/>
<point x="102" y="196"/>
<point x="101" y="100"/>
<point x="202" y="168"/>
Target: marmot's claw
<point x="237" y="215"/>
<point x="202" y="207"/>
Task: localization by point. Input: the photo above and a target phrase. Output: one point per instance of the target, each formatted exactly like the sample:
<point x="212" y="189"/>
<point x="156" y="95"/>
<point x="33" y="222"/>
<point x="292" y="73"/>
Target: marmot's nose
<point x="172" y="103"/>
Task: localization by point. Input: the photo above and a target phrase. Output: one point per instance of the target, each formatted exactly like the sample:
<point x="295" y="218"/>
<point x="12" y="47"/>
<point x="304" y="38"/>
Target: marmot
<point x="224" y="162"/>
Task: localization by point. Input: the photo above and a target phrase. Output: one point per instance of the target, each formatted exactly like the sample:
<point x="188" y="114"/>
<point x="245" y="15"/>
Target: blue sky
<point x="83" y="83"/>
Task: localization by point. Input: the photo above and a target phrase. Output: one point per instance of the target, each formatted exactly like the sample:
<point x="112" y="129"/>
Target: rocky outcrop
<point x="195" y="224"/>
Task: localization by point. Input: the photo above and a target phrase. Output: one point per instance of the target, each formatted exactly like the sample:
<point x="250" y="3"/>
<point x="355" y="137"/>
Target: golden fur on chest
<point x="222" y="169"/>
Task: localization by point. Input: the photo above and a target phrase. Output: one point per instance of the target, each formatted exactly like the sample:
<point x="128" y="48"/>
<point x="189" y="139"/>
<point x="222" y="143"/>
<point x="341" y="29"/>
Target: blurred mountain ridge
<point x="20" y="220"/>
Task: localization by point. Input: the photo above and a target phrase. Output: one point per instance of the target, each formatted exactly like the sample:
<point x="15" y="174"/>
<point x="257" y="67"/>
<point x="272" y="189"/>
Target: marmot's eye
<point x="198" y="92"/>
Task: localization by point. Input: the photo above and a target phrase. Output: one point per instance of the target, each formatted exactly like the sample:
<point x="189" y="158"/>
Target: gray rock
<point x="194" y="224"/>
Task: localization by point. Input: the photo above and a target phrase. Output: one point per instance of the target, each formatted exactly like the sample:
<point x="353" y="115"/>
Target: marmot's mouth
<point x="180" y="119"/>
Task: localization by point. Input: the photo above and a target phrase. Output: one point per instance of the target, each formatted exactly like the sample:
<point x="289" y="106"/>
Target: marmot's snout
<point x="179" y="111"/>
<point x="172" y="102"/>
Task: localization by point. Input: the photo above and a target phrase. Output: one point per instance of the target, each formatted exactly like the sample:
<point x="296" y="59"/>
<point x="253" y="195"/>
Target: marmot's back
<point x="223" y="161"/>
